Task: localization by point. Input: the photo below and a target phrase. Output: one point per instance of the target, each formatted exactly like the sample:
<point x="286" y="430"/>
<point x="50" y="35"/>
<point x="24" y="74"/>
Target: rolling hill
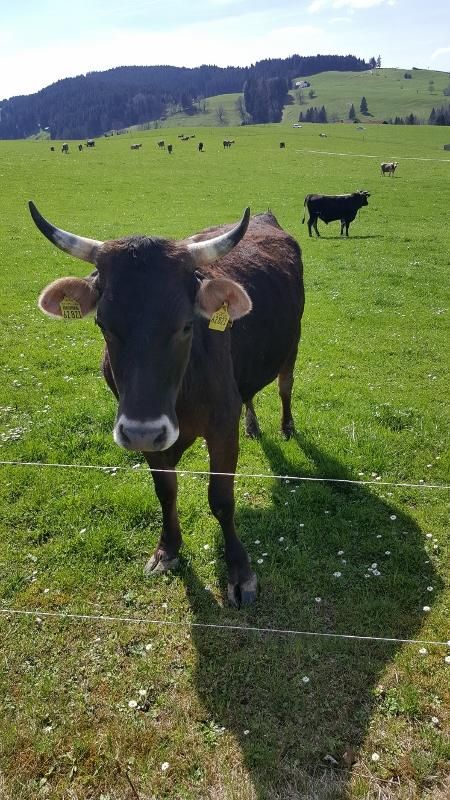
<point x="387" y="91"/>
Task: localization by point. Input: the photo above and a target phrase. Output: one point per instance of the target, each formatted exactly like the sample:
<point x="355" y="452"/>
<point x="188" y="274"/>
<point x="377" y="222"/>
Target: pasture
<point x="119" y="710"/>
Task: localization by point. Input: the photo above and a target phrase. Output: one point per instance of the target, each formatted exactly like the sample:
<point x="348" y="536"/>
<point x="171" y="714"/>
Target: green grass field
<point x="230" y="712"/>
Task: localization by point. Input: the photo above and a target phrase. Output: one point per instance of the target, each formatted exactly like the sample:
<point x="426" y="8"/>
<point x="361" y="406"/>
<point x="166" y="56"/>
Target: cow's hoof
<point x="252" y="430"/>
<point x="288" y="429"/>
<point x="157" y="565"/>
<point x="243" y="594"/>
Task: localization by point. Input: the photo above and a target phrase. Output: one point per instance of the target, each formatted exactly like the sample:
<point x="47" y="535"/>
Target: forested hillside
<point x="91" y="104"/>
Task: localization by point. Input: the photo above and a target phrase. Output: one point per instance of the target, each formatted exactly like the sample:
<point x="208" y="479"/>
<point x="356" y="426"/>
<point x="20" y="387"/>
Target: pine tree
<point x="364" y="108"/>
<point x="379" y="62"/>
<point x="352" y="112"/>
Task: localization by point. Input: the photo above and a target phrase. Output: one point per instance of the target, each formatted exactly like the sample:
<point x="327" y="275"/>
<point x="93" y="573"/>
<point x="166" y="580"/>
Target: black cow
<point x="90" y="143"/>
<point x="65" y="148"/>
<point x="282" y="145"/>
<point x="161" y="144"/>
<point x="80" y="147"/>
<point x="135" y="146"/>
<point x="52" y="149"/>
<point x="329" y="208"/>
<point x="228" y="142"/>
<point x="176" y="378"/>
<point x="169" y="148"/>
<point x="200" y="147"/>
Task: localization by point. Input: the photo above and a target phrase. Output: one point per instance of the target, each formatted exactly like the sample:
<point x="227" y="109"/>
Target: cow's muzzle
<point x="145" y="435"/>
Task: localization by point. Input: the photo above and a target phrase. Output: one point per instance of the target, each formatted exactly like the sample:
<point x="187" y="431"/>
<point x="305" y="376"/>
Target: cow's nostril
<point x="161" y="438"/>
<point x="123" y="434"/>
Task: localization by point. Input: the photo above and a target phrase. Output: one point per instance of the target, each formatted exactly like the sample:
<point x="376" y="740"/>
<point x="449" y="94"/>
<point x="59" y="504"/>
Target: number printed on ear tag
<point x="70" y="309"/>
<point x="220" y="319"/>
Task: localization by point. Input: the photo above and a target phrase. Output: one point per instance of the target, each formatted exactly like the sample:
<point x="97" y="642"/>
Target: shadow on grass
<point x="350" y="236"/>
<point x="256" y="684"/>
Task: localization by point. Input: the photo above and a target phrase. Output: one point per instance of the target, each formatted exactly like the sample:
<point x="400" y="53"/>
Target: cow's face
<point x="146" y="296"/>
<point x="146" y="313"/>
<point x="364" y="198"/>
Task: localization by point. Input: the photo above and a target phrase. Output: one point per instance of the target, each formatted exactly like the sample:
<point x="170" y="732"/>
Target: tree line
<point x="89" y="105"/>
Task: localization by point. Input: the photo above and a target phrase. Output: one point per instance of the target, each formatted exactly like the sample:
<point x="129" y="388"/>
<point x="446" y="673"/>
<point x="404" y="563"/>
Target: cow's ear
<point x="212" y="294"/>
<point x="79" y="294"/>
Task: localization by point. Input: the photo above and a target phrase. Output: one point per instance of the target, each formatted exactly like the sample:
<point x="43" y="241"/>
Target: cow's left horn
<point x="210" y="250"/>
<point x="77" y="246"/>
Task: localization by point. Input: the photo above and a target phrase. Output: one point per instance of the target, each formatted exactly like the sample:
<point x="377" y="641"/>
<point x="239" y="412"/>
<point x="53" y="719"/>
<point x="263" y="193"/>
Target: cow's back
<point x="267" y="262"/>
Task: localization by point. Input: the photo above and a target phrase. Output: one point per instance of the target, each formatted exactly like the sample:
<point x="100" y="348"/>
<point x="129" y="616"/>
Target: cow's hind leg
<point x="223" y="452"/>
<point x="252" y="428"/>
<point x="285" y="384"/>
<point x="165" y="556"/>
<point x="315" y="225"/>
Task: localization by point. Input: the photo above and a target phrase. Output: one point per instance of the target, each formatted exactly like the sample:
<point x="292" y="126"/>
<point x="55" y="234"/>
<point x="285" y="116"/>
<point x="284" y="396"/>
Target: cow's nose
<point x="149" y="435"/>
<point x="143" y="438"/>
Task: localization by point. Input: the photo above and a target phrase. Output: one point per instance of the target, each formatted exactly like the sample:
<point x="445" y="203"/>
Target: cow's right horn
<point x="77" y="246"/>
<point x="209" y="250"/>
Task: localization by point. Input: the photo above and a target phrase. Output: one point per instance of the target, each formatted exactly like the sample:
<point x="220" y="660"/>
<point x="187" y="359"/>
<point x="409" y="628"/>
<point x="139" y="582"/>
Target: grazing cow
<point x="176" y="377"/>
<point x="200" y="147"/>
<point x="169" y="148"/>
<point x="323" y="135"/>
<point x="135" y="146"/>
<point x="65" y="148"/>
<point x="52" y="149"/>
<point x="90" y="143"/>
<point x="329" y="208"/>
<point x="389" y="167"/>
<point x="282" y="145"/>
<point x="185" y="138"/>
<point x="80" y="147"/>
<point x="228" y="142"/>
<point x="161" y="144"/>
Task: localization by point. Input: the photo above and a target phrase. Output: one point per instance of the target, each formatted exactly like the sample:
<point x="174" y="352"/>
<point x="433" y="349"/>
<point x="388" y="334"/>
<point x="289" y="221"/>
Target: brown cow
<point x="174" y="377"/>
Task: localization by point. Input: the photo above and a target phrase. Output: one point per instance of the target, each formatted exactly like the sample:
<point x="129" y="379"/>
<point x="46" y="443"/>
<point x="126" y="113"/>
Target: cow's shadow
<point x="345" y="238"/>
<point x="256" y="684"/>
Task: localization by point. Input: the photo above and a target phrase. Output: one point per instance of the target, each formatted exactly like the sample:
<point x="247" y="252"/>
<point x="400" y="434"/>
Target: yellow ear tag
<point x="70" y="309"/>
<point x="220" y="319"/>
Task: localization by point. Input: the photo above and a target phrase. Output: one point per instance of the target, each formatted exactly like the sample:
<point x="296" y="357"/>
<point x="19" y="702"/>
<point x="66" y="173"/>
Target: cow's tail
<point x="304" y="207"/>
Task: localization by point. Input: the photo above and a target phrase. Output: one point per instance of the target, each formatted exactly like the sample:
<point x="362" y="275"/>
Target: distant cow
<point x="200" y="147"/>
<point x="65" y="148"/>
<point x="169" y="148"/>
<point x="184" y="138"/>
<point x="90" y="143"/>
<point x="135" y="146"/>
<point x="323" y="135"/>
<point x="228" y="142"/>
<point x="80" y="147"/>
<point x="329" y="208"/>
<point x="389" y="167"/>
<point x="161" y="144"/>
<point x="175" y="378"/>
<point x="282" y="145"/>
<point x="52" y="149"/>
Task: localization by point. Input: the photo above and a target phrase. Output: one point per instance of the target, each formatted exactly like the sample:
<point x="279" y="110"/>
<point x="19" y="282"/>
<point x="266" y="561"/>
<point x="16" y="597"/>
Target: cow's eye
<point x="188" y="328"/>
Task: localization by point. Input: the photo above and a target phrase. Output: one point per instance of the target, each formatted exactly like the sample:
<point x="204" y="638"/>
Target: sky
<point x="42" y="41"/>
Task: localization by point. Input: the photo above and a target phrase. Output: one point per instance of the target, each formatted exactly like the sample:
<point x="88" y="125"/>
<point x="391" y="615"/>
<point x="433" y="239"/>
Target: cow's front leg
<point x="223" y="453"/>
<point x="165" y="556"/>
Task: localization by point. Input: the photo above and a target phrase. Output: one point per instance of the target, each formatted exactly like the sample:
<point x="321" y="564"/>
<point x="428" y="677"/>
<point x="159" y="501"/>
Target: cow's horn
<point x="77" y="246"/>
<point x="210" y="250"/>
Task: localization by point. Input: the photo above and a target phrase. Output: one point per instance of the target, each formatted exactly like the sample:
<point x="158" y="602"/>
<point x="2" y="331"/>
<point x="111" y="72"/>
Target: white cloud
<point x="353" y="5"/>
<point x="441" y="51"/>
